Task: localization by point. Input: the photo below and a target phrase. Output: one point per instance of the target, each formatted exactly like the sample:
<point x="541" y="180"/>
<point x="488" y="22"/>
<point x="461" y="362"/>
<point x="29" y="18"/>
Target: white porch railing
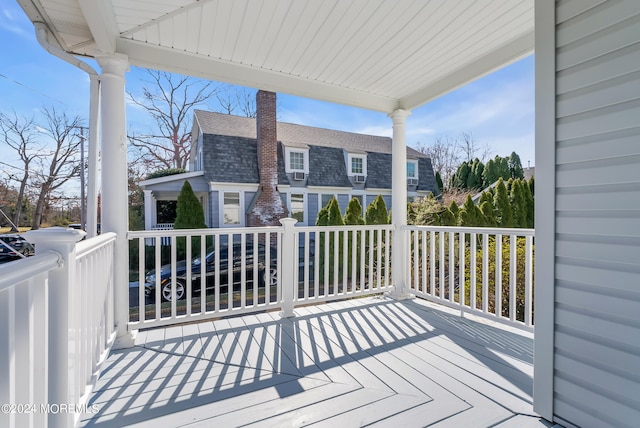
<point x="485" y="271"/>
<point x="56" y="328"/>
<point x="254" y="269"/>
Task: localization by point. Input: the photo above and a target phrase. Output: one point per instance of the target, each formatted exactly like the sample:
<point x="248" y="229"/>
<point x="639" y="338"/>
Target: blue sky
<point x="497" y="109"/>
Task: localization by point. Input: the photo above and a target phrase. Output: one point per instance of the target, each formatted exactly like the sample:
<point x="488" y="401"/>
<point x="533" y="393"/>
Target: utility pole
<point x="83" y="221"/>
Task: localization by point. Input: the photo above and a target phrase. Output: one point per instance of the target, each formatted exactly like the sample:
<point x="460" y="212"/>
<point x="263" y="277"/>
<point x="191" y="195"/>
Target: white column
<point x="114" y="182"/>
<point x="92" y="185"/>
<point x="399" y="264"/>
<point x="149" y="214"/>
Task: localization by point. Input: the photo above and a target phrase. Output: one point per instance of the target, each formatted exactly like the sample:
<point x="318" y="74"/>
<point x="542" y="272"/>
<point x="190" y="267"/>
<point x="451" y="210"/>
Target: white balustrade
<point x="485" y="271"/>
<point x="291" y="266"/>
<point x="57" y="326"/>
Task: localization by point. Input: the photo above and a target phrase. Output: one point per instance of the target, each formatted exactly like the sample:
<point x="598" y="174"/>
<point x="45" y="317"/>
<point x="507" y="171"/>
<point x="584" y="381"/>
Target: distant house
<point x="238" y="175"/>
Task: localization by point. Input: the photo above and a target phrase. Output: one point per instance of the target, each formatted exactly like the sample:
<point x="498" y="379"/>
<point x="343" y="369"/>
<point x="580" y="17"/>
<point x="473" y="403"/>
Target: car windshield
<point x="209" y="258"/>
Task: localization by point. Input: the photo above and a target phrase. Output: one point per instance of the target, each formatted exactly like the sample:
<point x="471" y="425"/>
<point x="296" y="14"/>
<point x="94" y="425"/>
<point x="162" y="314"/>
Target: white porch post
<point x="92" y="194"/>
<point x="399" y="203"/>
<point x="114" y="182"/>
<point x="149" y="215"/>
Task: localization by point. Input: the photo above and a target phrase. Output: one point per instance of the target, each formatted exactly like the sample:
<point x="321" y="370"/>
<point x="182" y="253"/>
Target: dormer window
<point x="296" y="160"/>
<point x="412" y="169"/>
<point x="357" y="165"/>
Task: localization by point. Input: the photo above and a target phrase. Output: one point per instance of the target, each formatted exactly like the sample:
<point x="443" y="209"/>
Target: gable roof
<point x="292" y="135"/>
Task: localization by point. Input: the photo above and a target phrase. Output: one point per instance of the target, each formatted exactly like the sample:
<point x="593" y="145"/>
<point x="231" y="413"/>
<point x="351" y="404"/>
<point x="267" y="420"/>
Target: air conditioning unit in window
<point x="359" y="178"/>
<point x="412" y="181"/>
<point x="299" y="176"/>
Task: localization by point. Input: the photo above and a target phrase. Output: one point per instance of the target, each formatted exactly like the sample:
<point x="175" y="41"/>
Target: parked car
<point x="264" y="275"/>
<point x="14" y="247"/>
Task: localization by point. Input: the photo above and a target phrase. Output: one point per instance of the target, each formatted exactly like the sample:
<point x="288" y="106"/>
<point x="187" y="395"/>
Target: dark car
<point x="264" y="275"/>
<point x="14" y="247"/>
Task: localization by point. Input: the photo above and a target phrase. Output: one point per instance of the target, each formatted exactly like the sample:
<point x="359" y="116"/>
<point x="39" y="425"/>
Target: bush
<point x="189" y="215"/>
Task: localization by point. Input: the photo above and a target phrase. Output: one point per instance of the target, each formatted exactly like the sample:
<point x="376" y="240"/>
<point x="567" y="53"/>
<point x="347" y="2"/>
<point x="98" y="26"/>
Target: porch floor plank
<point x="371" y="361"/>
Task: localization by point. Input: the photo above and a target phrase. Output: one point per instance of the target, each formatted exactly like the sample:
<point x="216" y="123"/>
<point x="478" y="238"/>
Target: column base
<point x="127" y="340"/>
<point x="284" y="314"/>
<point x="397" y="295"/>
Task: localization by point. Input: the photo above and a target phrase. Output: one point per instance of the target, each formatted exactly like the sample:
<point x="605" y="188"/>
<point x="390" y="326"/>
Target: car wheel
<point x="166" y="291"/>
<point x="271" y="277"/>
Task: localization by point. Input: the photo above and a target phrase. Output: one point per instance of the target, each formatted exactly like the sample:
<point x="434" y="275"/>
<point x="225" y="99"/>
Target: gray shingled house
<point x="313" y="165"/>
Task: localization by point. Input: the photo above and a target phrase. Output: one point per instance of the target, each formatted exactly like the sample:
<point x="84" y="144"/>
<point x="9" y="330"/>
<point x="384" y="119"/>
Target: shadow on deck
<point x="372" y="361"/>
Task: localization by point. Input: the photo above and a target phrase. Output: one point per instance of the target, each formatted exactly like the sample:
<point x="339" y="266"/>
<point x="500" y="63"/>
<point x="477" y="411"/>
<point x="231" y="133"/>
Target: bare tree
<point x="471" y="149"/>
<point x="448" y="153"/>
<point x="236" y="100"/>
<point x="445" y="156"/>
<point x="59" y="163"/>
<point x="19" y="134"/>
<point x="169" y="99"/>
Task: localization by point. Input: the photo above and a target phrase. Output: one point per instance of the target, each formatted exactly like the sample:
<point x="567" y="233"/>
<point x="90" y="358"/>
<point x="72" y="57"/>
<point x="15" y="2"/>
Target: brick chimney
<point x="267" y="206"/>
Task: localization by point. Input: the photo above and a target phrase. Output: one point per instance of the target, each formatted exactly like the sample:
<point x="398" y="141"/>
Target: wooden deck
<point x="372" y="361"/>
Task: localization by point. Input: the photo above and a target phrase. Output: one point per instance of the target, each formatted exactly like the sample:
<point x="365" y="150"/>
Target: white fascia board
<point x="245" y="187"/>
<point x="169" y="178"/>
<point x="371" y="190"/>
<point x="501" y="57"/>
<point x="162" y="58"/>
<point x="102" y="23"/>
<point x="329" y="189"/>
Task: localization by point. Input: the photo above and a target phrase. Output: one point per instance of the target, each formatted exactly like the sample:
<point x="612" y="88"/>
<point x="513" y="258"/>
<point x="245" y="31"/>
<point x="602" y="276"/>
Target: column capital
<point x="399" y="115"/>
<point x="117" y="64"/>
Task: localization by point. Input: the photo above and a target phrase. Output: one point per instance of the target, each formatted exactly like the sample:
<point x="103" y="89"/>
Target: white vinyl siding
<point x="596" y="380"/>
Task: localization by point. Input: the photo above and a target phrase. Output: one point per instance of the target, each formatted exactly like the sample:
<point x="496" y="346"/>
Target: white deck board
<point x="361" y="362"/>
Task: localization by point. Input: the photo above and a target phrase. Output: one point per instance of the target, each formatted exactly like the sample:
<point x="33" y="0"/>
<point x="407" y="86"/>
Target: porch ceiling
<point x="376" y="54"/>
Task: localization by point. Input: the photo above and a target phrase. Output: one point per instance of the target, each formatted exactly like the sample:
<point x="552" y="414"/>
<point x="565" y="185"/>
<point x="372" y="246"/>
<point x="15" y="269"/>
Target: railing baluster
<point x="141" y="280"/>
<point x="461" y="274"/>
<point x="158" y="259"/>
<point x="528" y="282"/>
<point x="203" y="274"/>
<point x="498" y="286"/>
<point x="188" y="276"/>
<point x="387" y="258"/>
<point x="345" y="260"/>
<point x="472" y="263"/>
<point x="423" y="234"/>
<point x="216" y="275"/>
<point x="371" y="247"/>
<point x="336" y="262"/>
<point x="485" y="272"/>
<point x="354" y="260"/>
<point x="441" y="264"/>
<point x="243" y="270"/>
<point x="432" y="263"/>
<point x="414" y="255"/>
<point x="230" y="272"/>
<point x="316" y="264"/>
<point x="512" y="277"/>
<point x="279" y="267"/>
<point x="378" y="263"/>
<point x="173" y="276"/>
<point x="452" y="260"/>
<point x="362" y="260"/>
<point x="305" y="272"/>
<point x="256" y="262"/>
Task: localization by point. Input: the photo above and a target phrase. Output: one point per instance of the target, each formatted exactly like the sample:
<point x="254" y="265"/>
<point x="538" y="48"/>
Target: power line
<point x="32" y="89"/>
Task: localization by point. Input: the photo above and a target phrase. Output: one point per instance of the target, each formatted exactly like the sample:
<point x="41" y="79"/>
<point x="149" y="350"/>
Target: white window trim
<point x="221" y="208"/>
<point x="320" y="206"/>
<point x="414" y="162"/>
<point x="305" y="206"/>
<point x="352" y="156"/>
<point x="287" y="160"/>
